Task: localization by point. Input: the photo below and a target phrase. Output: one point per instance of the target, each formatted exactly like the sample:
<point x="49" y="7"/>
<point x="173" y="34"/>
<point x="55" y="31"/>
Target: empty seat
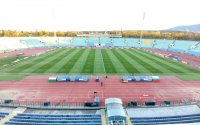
<point x="55" y="119"/>
<point x="166" y="120"/>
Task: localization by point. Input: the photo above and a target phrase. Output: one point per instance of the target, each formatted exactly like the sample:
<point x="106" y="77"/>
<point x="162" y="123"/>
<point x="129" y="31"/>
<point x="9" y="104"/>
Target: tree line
<point x="127" y="33"/>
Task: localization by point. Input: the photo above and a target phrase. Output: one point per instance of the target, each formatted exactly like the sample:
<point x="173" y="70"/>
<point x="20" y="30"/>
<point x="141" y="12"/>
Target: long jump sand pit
<point x="37" y="88"/>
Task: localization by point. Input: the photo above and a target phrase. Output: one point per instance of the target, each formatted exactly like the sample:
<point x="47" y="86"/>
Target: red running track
<point x="27" y="52"/>
<point x="37" y="88"/>
<point x="192" y="60"/>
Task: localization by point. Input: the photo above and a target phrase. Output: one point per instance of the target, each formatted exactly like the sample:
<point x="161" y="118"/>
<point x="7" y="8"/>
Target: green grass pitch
<point x="100" y="62"/>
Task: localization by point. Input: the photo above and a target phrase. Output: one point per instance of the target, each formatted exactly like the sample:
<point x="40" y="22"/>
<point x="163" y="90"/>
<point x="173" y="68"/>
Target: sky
<point x="95" y="15"/>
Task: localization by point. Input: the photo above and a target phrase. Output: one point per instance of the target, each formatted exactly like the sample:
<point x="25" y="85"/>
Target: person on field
<point x="101" y="84"/>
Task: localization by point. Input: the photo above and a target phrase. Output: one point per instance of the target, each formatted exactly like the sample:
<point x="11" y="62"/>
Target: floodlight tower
<point x="140" y="40"/>
<point x="54" y="26"/>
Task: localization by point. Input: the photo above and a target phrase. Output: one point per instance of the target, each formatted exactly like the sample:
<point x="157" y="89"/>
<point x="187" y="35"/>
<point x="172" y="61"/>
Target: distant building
<point x="97" y="34"/>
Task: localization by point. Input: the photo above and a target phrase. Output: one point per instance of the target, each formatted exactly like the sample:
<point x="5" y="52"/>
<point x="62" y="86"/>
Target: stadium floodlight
<point x="56" y="39"/>
<point x="140" y="41"/>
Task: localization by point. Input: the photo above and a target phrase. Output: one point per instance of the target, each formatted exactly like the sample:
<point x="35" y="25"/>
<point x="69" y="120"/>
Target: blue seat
<point x="3" y="114"/>
<point x="55" y="119"/>
<point x="166" y="120"/>
<point x="59" y="118"/>
<point x="37" y="123"/>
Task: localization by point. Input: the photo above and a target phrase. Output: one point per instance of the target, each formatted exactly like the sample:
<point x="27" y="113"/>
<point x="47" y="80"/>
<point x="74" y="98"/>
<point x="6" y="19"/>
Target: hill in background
<point x="195" y="27"/>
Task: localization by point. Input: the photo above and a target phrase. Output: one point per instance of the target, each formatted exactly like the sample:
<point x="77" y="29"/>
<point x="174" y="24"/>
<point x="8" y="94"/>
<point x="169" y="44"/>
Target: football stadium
<point x="99" y="80"/>
<point x="99" y="62"/>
